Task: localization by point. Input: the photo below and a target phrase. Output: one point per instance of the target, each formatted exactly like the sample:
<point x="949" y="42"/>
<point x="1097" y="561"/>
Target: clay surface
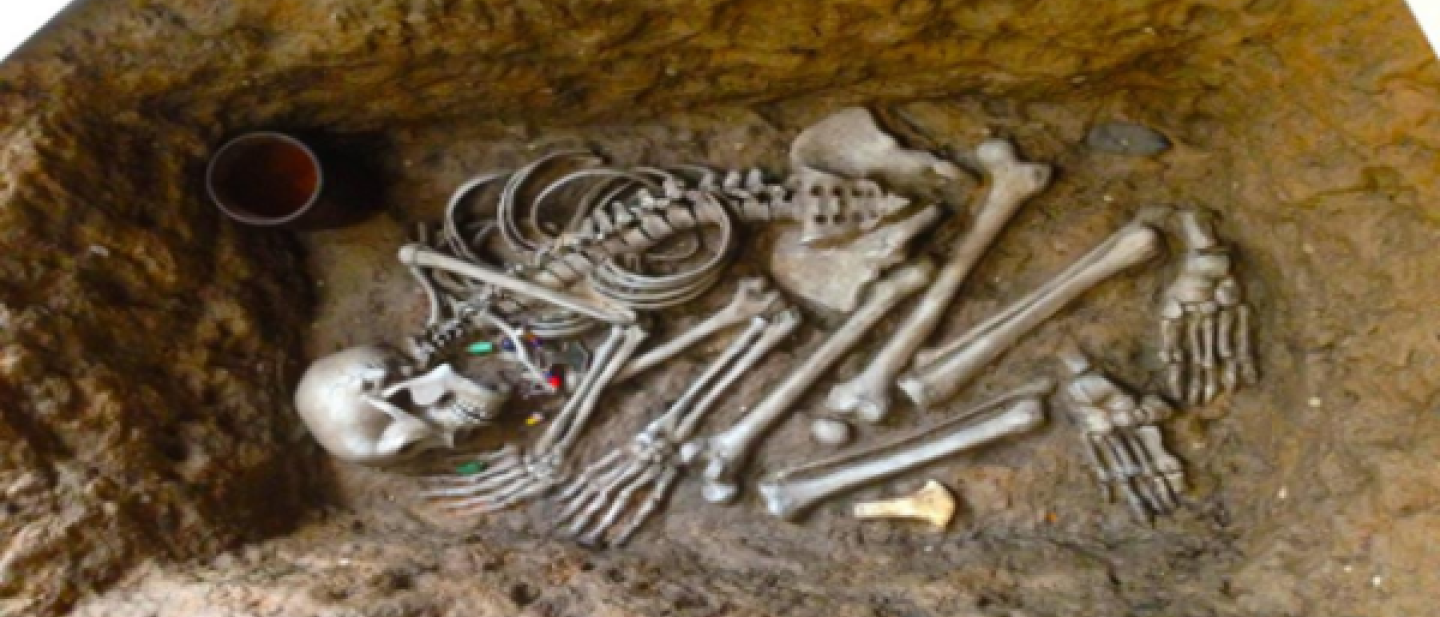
<point x="151" y="463"/>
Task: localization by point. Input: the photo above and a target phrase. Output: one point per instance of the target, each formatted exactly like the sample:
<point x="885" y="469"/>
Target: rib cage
<point x="643" y="220"/>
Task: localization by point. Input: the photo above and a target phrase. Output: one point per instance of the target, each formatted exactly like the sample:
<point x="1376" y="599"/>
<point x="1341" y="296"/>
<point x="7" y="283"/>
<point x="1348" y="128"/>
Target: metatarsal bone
<point x="753" y="297"/>
<point x="790" y="493"/>
<point x="724" y="452"/>
<point x="940" y="374"/>
<point x="1012" y="182"/>
<point x="416" y="255"/>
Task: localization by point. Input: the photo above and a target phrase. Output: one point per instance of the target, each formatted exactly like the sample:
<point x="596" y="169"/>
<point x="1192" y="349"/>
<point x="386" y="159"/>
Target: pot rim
<point x="245" y="216"/>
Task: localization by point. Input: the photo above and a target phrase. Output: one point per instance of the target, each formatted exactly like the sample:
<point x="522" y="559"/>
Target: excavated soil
<point x="152" y="463"/>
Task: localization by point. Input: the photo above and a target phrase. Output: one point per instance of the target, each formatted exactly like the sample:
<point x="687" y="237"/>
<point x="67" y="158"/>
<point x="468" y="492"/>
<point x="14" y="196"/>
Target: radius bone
<point x="940" y="373"/>
<point x="724" y="453"/>
<point x="753" y="298"/>
<point x="789" y="493"/>
<point x="1012" y="182"/>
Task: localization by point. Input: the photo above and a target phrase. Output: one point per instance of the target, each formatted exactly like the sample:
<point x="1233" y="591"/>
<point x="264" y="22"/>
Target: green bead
<point x="481" y="348"/>
<point x="471" y="468"/>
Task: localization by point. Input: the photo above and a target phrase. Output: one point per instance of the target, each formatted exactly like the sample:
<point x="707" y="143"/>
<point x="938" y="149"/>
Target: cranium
<point x="358" y="411"/>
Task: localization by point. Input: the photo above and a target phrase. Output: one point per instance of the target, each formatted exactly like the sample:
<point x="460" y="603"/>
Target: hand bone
<point x="1012" y="182"/>
<point x="940" y="373"/>
<point x="597" y="499"/>
<point x="722" y="454"/>
<point x="511" y="476"/>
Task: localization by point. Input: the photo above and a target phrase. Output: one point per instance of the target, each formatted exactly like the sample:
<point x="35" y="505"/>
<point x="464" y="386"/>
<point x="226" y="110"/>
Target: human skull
<point x="360" y="408"/>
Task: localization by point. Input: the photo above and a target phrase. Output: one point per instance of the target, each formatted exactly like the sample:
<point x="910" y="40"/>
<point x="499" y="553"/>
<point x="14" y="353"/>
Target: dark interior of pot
<point x="152" y="461"/>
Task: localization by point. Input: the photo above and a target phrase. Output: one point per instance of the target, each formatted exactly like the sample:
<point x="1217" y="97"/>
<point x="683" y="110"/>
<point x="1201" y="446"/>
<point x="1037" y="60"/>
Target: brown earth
<point x="152" y="463"/>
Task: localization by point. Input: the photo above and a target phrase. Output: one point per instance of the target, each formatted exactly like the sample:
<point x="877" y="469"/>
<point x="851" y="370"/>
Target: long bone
<point x="611" y="483"/>
<point x="789" y="493"/>
<point x="753" y="297"/>
<point x="1012" y="182"/>
<point x="722" y="454"/>
<point x="940" y="373"/>
<point x="514" y="476"/>
<point x="418" y="256"/>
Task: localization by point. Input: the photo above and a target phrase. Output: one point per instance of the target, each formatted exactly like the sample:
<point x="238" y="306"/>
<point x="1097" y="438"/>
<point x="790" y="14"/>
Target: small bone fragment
<point x="933" y="503"/>
<point x="416" y="255"/>
<point x="835" y="278"/>
<point x="724" y="452"/>
<point x="849" y="143"/>
<point x="940" y="373"/>
<point x="791" y="492"/>
<point x="830" y="431"/>
<point x="1012" y="182"/>
<point x="753" y="297"/>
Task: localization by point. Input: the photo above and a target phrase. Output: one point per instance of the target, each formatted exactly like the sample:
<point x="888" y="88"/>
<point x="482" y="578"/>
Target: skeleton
<point x="721" y="455"/>
<point x="602" y="267"/>
<point x="933" y="504"/>
<point x="596" y="500"/>
<point x="790" y="493"/>
<point x="353" y="405"/>
<point x="1012" y="182"/>
<point x="1204" y="321"/>
<point x="940" y="373"/>
<point x="1122" y="444"/>
<point x="512" y="476"/>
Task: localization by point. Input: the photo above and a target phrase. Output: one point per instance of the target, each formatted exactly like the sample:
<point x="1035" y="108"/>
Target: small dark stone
<point x="1126" y="138"/>
<point x="523" y="595"/>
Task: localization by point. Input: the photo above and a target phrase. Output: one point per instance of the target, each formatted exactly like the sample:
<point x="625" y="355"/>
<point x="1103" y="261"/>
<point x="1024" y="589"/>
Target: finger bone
<point x="652" y="502"/>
